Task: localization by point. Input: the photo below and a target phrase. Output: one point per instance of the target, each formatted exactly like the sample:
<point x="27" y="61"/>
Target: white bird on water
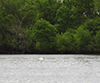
<point x="41" y="59"/>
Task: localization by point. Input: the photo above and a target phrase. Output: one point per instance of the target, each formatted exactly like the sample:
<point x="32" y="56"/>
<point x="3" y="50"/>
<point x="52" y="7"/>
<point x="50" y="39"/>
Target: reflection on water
<point x="54" y="69"/>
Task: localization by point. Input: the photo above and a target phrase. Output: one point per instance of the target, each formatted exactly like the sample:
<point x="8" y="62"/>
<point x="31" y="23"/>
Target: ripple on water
<point x="54" y="69"/>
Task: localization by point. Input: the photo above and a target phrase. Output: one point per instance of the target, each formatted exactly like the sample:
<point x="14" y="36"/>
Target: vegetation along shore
<point x="49" y="26"/>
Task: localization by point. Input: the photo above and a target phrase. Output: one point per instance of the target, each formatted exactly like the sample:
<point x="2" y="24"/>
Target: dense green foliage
<point x="49" y="26"/>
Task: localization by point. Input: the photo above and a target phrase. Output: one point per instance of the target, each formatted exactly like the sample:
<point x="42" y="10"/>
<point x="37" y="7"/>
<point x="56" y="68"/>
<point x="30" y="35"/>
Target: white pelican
<point x="41" y="59"/>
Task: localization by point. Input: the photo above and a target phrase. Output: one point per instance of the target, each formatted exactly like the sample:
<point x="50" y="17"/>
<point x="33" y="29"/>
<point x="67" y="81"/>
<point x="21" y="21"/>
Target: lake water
<point x="54" y="69"/>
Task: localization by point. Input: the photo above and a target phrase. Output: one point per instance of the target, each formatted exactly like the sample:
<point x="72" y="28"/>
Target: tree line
<point x="49" y="26"/>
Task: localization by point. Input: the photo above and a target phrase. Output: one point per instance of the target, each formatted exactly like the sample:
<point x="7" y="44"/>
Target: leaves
<point x="44" y="35"/>
<point x="64" y="42"/>
<point x="63" y="18"/>
<point x="82" y="39"/>
<point x="47" y="26"/>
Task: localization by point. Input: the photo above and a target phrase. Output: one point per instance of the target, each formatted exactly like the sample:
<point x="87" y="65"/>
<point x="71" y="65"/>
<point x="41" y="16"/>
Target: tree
<point x="31" y="41"/>
<point x="46" y="9"/>
<point x="81" y="10"/>
<point x="22" y="11"/>
<point x="97" y="6"/>
<point x="16" y="17"/>
<point x="1" y="30"/>
<point x="85" y="7"/>
<point x="5" y="38"/>
<point x="45" y="34"/>
<point x="97" y="40"/>
<point x="65" y="42"/>
<point x="82" y="40"/>
<point x="63" y="17"/>
<point x="93" y="25"/>
<point x="69" y="3"/>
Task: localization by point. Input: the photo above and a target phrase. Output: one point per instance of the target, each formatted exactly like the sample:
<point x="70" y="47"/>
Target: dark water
<point x="54" y="69"/>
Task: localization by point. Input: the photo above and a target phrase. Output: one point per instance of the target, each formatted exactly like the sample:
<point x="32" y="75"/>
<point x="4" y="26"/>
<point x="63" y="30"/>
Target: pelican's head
<point x="43" y="57"/>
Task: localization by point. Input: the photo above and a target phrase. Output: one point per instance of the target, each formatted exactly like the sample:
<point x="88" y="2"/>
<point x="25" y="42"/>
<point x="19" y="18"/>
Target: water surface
<point x="54" y="69"/>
